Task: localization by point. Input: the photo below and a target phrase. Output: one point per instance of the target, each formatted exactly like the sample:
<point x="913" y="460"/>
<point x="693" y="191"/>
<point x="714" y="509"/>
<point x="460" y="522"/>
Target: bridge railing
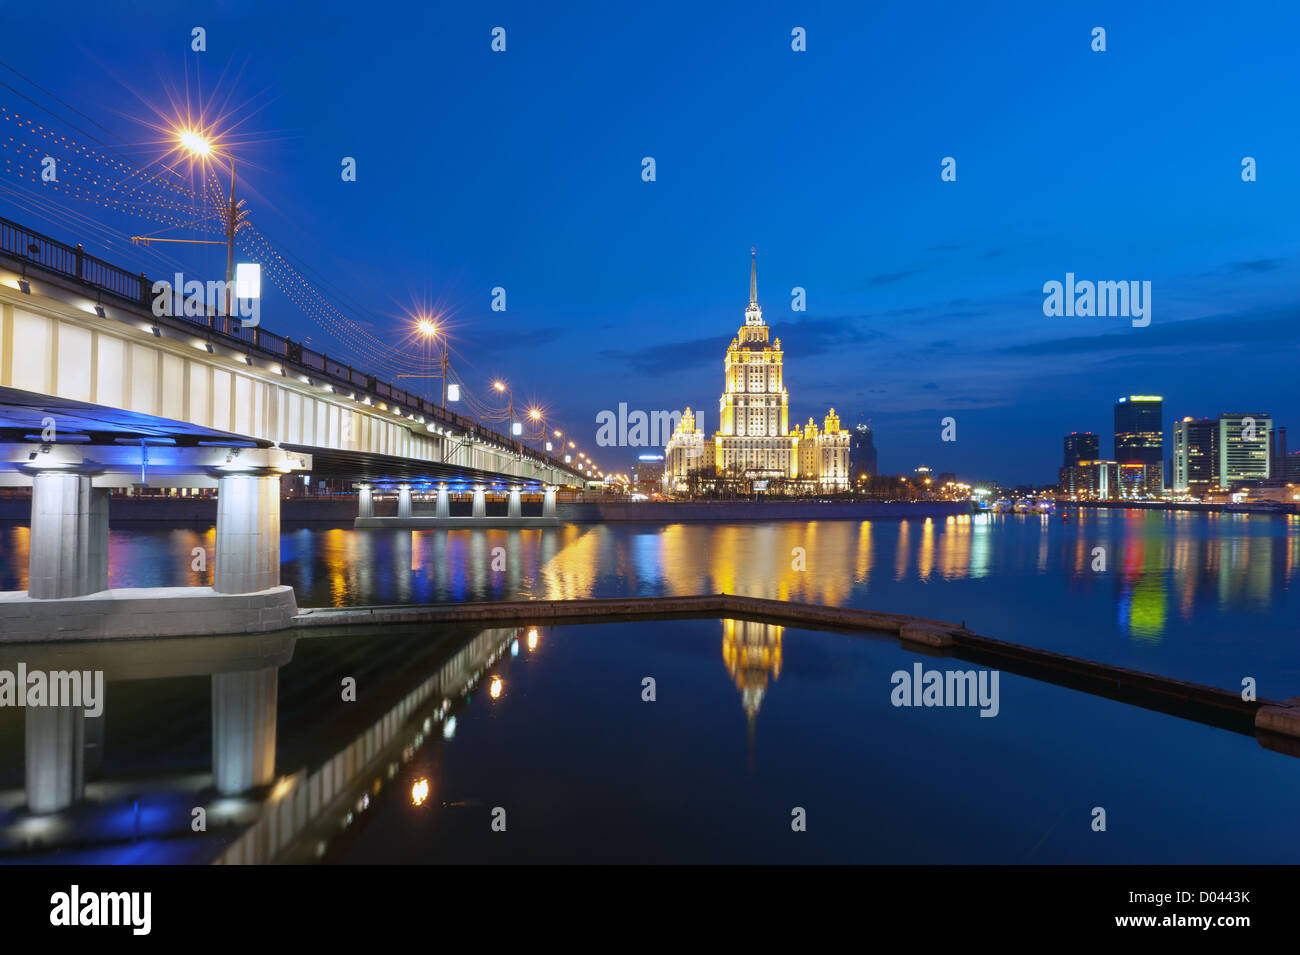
<point x="39" y="250"/>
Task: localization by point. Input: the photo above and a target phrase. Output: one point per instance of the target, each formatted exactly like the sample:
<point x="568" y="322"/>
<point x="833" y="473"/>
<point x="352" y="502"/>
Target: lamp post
<point x="232" y="223"/>
<point x="535" y="415"/>
<point x="201" y="147"/>
<point x="429" y="329"/>
<point x="510" y="411"/>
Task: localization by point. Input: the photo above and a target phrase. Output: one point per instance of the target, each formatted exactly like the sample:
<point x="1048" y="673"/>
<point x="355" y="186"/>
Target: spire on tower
<point x="753" y="276"/>
<point x="753" y="314"/>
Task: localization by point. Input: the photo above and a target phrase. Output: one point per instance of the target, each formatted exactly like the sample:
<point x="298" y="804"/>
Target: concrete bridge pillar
<point x="365" y="501"/>
<point x="243" y="729"/>
<point x="55" y="759"/>
<point x="548" y="503"/>
<point x="248" y="533"/>
<point x="480" y="504"/>
<point x="515" y="507"/>
<point x="69" y="536"/>
<point x="404" y="500"/>
<point x="443" y="507"/>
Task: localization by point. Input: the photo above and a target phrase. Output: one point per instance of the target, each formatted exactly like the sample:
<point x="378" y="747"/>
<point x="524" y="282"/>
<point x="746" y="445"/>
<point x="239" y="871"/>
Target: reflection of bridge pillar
<point x="248" y="534"/>
<point x="243" y="729"/>
<point x="365" y="501"/>
<point x="404" y="500"/>
<point x="480" y="504"/>
<point x="69" y="536"/>
<point x="548" y="503"/>
<point x="443" y="507"/>
<point x="55" y="754"/>
<point x="515" y="507"/>
<point x="94" y="749"/>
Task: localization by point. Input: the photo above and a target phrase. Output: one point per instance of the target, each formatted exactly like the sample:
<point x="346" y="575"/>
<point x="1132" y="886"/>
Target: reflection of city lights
<point x="494" y="690"/>
<point x="449" y="728"/>
<point x="419" y="792"/>
<point x="532" y="639"/>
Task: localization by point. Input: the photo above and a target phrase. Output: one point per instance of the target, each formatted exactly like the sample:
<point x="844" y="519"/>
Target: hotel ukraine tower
<point x="754" y="439"/>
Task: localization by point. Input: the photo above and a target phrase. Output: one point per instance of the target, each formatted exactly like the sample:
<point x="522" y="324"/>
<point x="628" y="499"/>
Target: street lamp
<point x="196" y="144"/>
<point x="202" y="147"/>
<point x="516" y="429"/>
<point x="429" y="329"/>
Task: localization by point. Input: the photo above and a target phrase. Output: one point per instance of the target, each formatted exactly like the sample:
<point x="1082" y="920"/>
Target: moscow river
<point x="751" y="724"/>
<point x="1203" y="597"/>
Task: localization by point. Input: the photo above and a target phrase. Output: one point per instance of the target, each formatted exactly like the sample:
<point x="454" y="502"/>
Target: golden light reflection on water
<point x="17" y="553"/>
<point x="752" y="653"/>
<point x="1161" y="566"/>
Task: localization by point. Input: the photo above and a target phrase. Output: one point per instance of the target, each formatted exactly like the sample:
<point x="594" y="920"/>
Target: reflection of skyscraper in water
<point x="751" y="651"/>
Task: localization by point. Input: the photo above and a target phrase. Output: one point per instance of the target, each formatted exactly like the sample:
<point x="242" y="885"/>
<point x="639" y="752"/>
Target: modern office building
<point x="648" y="472"/>
<point x="1195" y="455"/>
<point x="863" y="458"/>
<point x="1095" y="480"/>
<point x="1277" y="452"/>
<point x="1139" y="445"/>
<point x="1244" y="444"/>
<point x="1081" y="446"/>
<point x="1291" y="467"/>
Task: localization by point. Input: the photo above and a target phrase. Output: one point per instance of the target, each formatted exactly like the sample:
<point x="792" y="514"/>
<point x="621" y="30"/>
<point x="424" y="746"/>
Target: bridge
<point x="98" y="392"/>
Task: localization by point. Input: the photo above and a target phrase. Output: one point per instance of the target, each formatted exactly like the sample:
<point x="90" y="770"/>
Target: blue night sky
<point x="523" y="170"/>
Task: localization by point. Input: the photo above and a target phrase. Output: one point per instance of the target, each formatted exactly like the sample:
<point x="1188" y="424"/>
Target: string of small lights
<point x="107" y="179"/>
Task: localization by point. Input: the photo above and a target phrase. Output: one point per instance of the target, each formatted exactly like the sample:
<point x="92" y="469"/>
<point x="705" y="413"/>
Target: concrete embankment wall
<point x="1198" y="506"/>
<point x="184" y="511"/>
<point x="672" y="512"/>
<point x="203" y="510"/>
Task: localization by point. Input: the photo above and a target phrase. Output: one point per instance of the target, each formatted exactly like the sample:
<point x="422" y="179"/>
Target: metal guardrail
<point x="73" y="262"/>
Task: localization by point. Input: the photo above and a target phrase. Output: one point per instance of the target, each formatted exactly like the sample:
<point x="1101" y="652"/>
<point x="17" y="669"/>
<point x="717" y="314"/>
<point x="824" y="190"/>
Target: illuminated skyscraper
<point x="753" y="436"/>
<point x="863" y="461"/>
<point x="1081" y="446"/>
<point x="1139" y="445"/>
<point x="1196" y="455"/>
<point x="1244" y="447"/>
<point x="754" y="439"/>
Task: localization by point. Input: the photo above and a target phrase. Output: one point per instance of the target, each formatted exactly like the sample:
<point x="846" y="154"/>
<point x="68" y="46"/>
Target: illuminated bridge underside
<point x="21" y="414"/>
<point x="169" y="377"/>
<point x="96" y="392"/>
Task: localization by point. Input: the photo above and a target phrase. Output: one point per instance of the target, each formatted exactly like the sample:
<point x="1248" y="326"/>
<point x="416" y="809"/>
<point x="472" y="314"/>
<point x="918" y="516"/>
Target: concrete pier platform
<point x="144" y="612"/>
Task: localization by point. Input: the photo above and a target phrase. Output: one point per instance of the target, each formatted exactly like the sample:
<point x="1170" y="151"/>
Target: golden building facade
<point x="754" y="440"/>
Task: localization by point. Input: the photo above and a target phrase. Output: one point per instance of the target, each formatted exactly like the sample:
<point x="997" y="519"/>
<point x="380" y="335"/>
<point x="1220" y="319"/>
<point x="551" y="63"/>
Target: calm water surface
<point x="749" y="723"/>
<point x="1204" y="597"/>
<point x="750" y="720"/>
